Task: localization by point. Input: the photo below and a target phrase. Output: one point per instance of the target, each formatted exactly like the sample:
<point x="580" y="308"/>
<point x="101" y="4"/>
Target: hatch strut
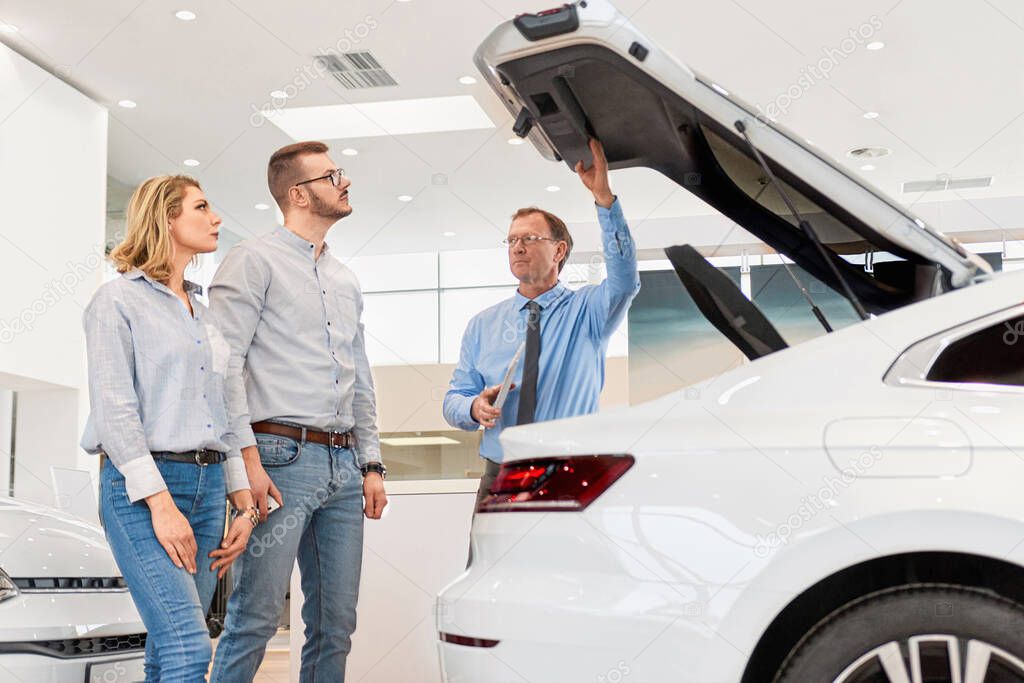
<point x="808" y="231"/>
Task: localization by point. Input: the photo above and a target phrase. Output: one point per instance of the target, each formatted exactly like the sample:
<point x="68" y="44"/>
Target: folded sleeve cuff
<point x="245" y="437"/>
<point x="612" y="218"/>
<point x="234" y="474"/>
<point x="464" y="413"/>
<point x="142" y="478"/>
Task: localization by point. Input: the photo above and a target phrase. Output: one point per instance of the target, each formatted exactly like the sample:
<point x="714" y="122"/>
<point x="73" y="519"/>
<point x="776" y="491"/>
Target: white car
<point x="846" y="510"/>
<point x="65" y="613"/>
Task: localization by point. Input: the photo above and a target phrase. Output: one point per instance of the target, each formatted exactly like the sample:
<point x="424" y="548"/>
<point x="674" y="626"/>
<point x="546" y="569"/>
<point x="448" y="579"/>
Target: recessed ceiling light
<point x="261" y="206"/>
<point x="877" y="45"/>
<point x="350" y="152"/>
<point x="467" y="80"/>
<point x="375" y="119"/>
<point x="127" y="104"/>
<point x="871" y="114"/>
<point x="448" y="233"/>
<point x="552" y="188"/>
<point x="279" y="94"/>
<point x="191" y="162"/>
<point x="7" y="28"/>
<point x="516" y="141"/>
<point x="867" y="167"/>
<point x="405" y="197"/>
<point x="185" y="15"/>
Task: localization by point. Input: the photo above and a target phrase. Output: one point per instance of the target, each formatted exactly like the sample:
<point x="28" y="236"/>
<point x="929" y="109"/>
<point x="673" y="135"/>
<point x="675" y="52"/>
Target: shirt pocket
<point x="346" y="313"/>
<point x="220" y="352"/>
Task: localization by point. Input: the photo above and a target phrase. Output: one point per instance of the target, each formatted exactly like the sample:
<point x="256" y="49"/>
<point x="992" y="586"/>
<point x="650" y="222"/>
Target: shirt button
<point x="204" y="395"/>
<point x="202" y="367"/>
<point x="328" y="323"/>
<point x="209" y="426"/>
<point x="323" y="291"/>
<point x="199" y="341"/>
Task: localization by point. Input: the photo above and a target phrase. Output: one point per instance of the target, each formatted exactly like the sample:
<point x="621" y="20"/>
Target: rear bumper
<point x="567" y="604"/>
<point x="515" y="662"/>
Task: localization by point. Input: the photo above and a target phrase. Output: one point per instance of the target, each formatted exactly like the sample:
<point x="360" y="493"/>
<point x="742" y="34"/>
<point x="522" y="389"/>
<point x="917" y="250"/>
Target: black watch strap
<point x="377" y="467"/>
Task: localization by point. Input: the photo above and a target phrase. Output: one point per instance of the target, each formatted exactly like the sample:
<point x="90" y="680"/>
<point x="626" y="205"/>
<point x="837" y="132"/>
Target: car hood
<point x="666" y="117"/>
<point x="40" y="542"/>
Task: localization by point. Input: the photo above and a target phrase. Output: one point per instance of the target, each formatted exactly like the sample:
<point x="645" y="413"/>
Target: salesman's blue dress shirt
<point x="575" y="327"/>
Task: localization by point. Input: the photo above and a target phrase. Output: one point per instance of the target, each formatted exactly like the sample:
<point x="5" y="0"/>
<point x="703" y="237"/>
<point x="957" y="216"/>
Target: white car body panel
<point x="39" y="542"/>
<point x="708" y="578"/>
<point x="748" y="488"/>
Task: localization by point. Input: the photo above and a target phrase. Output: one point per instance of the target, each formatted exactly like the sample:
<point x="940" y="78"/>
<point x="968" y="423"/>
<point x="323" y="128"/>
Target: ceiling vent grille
<point x="946" y="183"/>
<point x="357" y="70"/>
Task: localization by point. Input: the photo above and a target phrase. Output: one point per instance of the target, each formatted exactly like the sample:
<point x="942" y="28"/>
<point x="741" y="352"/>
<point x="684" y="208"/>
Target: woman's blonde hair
<point x="147" y="241"/>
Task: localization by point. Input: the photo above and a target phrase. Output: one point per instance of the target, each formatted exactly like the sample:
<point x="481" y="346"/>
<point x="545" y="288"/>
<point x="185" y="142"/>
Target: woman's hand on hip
<point x="173" y="531"/>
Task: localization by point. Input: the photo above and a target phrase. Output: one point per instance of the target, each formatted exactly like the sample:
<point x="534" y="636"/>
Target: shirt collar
<point x="545" y="300"/>
<point x="300" y="244"/>
<point x="190" y="287"/>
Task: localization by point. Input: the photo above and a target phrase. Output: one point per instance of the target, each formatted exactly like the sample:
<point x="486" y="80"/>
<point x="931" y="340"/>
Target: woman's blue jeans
<point x="172" y="602"/>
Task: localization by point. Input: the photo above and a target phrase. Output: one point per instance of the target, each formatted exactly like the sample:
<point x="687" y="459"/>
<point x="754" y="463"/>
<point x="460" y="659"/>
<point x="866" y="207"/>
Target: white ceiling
<point x="949" y="88"/>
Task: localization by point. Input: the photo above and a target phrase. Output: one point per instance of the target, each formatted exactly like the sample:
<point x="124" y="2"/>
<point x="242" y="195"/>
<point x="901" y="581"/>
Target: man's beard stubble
<point x="327" y="210"/>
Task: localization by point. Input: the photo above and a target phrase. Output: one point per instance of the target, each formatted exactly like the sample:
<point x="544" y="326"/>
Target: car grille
<point x="78" y="583"/>
<point x="78" y="647"/>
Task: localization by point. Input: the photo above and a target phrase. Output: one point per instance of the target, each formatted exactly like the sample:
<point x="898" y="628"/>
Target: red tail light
<point x="563" y="484"/>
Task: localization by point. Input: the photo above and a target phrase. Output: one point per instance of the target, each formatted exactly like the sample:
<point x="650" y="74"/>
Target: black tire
<point x="974" y="622"/>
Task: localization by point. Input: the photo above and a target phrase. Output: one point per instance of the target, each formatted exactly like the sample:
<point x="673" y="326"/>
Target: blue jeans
<point x="172" y="602"/>
<point x="321" y="525"/>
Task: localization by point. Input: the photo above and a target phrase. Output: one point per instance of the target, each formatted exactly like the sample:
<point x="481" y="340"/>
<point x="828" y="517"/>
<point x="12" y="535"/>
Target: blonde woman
<point x="157" y="387"/>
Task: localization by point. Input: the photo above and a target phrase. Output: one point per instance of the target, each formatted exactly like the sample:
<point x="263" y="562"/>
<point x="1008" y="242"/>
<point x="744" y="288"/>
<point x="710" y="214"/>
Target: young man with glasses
<point x="564" y="334"/>
<point x="305" y="419"/>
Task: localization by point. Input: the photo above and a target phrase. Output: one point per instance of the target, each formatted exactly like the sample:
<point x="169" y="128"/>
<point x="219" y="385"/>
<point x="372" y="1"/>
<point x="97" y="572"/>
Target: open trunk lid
<point x="583" y="70"/>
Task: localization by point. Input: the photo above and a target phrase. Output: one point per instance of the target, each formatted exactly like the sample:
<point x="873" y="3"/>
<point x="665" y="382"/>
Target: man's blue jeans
<point x="172" y="602"/>
<point x="321" y="524"/>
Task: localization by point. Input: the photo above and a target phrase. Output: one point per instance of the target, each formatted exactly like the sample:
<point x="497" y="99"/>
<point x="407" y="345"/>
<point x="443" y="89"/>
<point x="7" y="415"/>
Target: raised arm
<point x="610" y="300"/>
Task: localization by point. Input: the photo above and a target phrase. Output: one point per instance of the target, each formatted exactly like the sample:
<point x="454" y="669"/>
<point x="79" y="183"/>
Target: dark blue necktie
<point x="528" y="391"/>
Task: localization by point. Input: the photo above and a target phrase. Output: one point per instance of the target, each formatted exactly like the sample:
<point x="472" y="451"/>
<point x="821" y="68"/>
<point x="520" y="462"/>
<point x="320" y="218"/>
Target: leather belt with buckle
<point x="303" y="434"/>
<point x="200" y="457"/>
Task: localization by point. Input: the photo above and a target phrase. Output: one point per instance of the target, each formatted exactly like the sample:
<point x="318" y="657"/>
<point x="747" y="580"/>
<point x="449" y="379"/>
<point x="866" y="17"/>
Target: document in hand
<point x="506" y="385"/>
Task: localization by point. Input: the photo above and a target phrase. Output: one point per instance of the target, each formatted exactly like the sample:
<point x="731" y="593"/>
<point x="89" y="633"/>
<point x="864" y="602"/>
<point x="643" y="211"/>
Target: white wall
<point x="419" y="547"/>
<point x="53" y="150"/>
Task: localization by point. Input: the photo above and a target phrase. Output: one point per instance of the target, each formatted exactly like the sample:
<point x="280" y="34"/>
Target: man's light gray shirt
<point x="294" y="322"/>
<point x="157" y="380"/>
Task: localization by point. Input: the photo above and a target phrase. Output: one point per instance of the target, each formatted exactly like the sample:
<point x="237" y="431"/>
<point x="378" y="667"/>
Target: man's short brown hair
<point x="557" y="226"/>
<point x="285" y="168"/>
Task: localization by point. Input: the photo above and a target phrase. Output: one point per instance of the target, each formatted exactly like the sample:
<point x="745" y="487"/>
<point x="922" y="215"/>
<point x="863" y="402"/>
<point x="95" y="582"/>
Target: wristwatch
<point x="251" y="513"/>
<point x="377" y="467"/>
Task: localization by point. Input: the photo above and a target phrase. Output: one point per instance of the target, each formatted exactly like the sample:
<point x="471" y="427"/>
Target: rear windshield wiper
<point x="808" y="231"/>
